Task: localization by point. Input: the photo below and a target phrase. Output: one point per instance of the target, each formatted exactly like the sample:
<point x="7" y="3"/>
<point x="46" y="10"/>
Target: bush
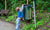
<point x="11" y="18"/>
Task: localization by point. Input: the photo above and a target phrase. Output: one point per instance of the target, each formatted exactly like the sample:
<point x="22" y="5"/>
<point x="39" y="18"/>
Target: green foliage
<point x="11" y="18"/>
<point x="40" y="11"/>
<point x="49" y="9"/>
<point x="45" y="27"/>
<point x="48" y="24"/>
<point x="39" y="23"/>
<point x="3" y="18"/>
<point x="49" y="29"/>
<point x="12" y="4"/>
<point x="29" y="27"/>
<point x="32" y="26"/>
<point x="42" y="4"/>
<point x="44" y="19"/>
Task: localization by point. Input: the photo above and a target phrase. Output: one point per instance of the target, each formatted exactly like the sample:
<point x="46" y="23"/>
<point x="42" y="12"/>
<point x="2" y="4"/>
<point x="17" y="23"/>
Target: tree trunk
<point x="5" y="5"/>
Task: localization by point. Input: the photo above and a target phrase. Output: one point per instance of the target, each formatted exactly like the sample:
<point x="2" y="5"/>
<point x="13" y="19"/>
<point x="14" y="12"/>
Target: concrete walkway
<point x="6" y="26"/>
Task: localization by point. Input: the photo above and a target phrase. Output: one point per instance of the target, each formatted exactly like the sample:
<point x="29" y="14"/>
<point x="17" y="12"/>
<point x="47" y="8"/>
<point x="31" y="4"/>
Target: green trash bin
<point x="27" y="12"/>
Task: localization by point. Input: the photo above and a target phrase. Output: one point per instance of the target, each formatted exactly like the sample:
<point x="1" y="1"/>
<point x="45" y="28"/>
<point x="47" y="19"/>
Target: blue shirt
<point x="20" y="14"/>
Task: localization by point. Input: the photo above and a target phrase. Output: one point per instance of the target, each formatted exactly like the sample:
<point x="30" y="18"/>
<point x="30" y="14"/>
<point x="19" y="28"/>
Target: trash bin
<point x="27" y="12"/>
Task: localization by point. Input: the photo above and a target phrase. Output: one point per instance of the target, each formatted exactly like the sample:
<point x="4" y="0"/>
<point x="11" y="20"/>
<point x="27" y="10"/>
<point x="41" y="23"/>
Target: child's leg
<point x="17" y="23"/>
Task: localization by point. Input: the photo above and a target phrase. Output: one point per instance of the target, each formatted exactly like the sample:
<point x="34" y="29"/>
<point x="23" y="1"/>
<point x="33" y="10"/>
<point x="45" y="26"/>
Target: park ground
<point x="10" y="25"/>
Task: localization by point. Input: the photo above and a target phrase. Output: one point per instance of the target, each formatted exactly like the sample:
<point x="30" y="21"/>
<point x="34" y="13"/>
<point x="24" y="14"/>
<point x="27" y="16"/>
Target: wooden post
<point x="5" y="5"/>
<point x="27" y="1"/>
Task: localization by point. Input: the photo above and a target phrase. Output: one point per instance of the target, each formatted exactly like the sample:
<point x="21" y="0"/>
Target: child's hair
<point x="17" y="8"/>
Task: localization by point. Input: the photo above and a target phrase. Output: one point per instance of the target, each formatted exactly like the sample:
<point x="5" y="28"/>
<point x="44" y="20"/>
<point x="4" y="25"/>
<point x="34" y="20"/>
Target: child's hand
<point x="22" y="4"/>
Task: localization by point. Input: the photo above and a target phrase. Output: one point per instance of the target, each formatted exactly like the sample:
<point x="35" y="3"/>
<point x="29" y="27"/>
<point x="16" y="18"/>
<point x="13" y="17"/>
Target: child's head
<point x="17" y="9"/>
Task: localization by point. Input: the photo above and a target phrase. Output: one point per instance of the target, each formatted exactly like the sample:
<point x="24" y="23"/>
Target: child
<point x="19" y="17"/>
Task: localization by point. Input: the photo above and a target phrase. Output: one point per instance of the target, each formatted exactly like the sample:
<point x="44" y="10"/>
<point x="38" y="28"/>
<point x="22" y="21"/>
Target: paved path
<point x="6" y="26"/>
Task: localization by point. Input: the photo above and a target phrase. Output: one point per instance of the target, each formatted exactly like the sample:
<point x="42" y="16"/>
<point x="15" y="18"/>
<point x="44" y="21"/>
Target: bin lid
<point x="27" y="5"/>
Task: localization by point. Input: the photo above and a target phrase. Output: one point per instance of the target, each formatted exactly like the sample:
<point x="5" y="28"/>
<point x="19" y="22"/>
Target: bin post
<point x="27" y="1"/>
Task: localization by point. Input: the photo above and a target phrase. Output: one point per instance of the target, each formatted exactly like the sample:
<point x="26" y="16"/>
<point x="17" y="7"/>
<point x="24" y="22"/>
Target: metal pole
<point x="34" y="13"/>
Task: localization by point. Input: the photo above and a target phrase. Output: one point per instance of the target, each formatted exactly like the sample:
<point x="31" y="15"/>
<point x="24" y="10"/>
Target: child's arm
<point x="21" y="9"/>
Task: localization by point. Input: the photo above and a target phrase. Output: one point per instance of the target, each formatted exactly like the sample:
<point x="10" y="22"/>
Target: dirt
<point x="6" y="25"/>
